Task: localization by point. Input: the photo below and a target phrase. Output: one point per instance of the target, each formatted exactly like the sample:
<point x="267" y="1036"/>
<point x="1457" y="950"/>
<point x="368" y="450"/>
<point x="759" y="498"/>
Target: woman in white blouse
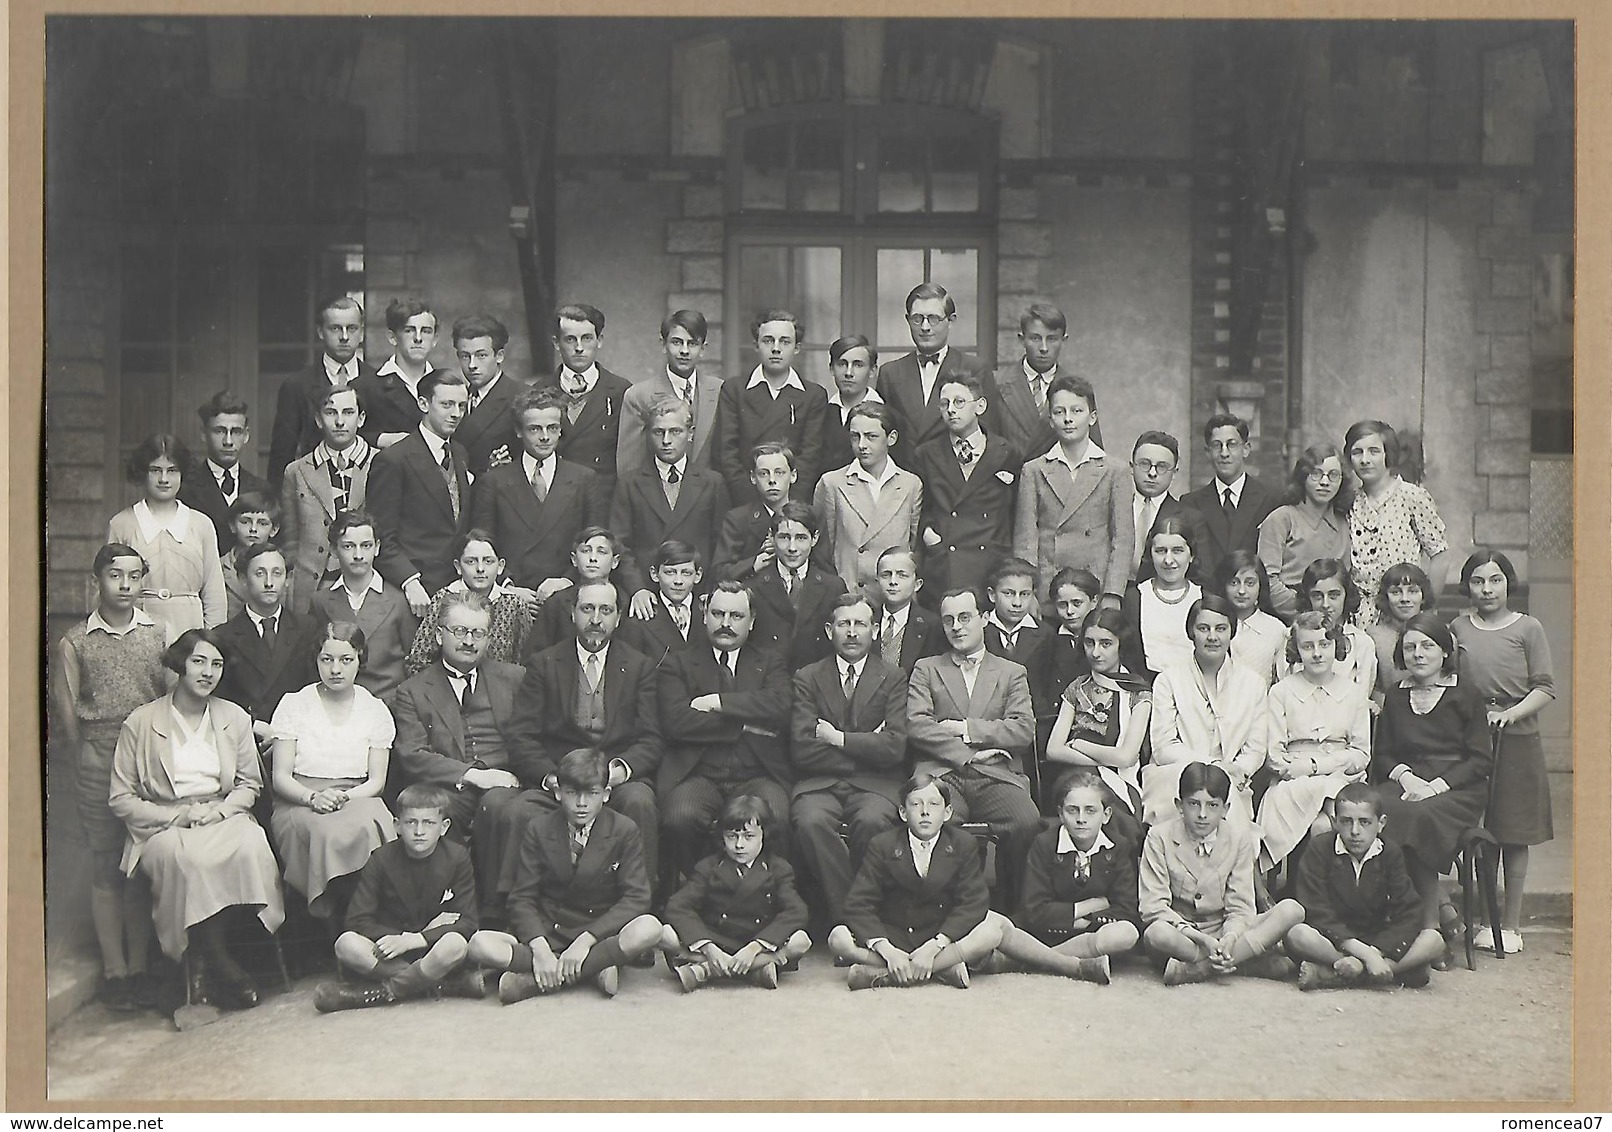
<point x="1206" y="710"/>
<point x="332" y="742"/>
<point x="1158" y="606"/>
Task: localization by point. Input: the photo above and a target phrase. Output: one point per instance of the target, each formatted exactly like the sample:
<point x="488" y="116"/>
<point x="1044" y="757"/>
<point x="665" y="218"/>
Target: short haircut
<point x="1311" y="620"/>
<point x="480" y="326"/>
<point x="874" y="410"/>
<point x="1311" y="459"/>
<point x="347" y="632"/>
<point x="973" y="382"/>
<point x="741" y="810"/>
<point x="690" y="320"/>
<point x="1319" y="571"/>
<point x="427" y="386"/>
<point x="676" y="552"/>
<point x="533" y="398"/>
<point x="667" y="405"/>
<point x="1073" y="383"/>
<point x="246" y="555"/>
<point x="923" y="782"/>
<point x="1483" y="556"/>
<point x="158" y="444"/>
<point x="223" y="403"/>
<point x="793" y="511"/>
<point x="1398" y="575"/>
<point x="1047" y="315"/>
<point x="399" y="311"/>
<point x="772" y="448"/>
<point x="1079" y="577"/>
<point x="1196" y="776"/>
<point x="889" y="551"/>
<point x="1006" y="568"/>
<point x="1235" y="563"/>
<point x="1393" y="453"/>
<point x="842" y="346"/>
<point x="1212" y="603"/>
<point x="931" y="291"/>
<point x="1429" y="625"/>
<point x="461" y="599"/>
<point x="460" y="543"/>
<point x="588" y="534"/>
<point x="1162" y="439"/>
<point x="777" y="314"/>
<point x="339" y="303"/>
<point x="1359" y="794"/>
<point x="326" y="392"/>
<point x="730" y="586"/>
<point x="580" y="312"/>
<point x="175" y="655"/>
<point x="585" y="768"/>
<point x="962" y="591"/>
<point x="255" y="503"/>
<point x="848" y="600"/>
<point x="424" y="796"/>
<point x="1224" y="420"/>
<point x="347" y="520"/>
<point x="615" y="591"/>
<point x="1081" y="779"/>
<point x="111" y="552"/>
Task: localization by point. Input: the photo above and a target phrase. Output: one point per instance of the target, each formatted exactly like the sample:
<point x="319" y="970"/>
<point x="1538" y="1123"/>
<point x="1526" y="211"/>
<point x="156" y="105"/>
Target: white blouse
<point x="326" y="749"/>
<point x="1164" y="626"/>
<point x="195" y="759"/>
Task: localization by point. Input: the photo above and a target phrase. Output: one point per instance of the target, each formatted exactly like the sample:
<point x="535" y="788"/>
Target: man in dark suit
<point x="910" y="384"/>
<point x="771" y="403"/>
<point x="210" y="485"/>
<point x="455" y="723"/>
<point x="1022" y="387"/>
<point x="296" y="415"/>
<point x="389" y="397"/>
<point x="535" y="505"/>
<point x="682" y="336"/>
<point x="478" y="343"/>
<point x="419" y="493"/>
<point x="853" y="361"/>
<point x="1154" y="459"/>
<point x="1231" y="506"/>
<point x="745" y="545"/>
<point x="725" y="712"/>
<point x="677" y="621"/>
<point x="592" y="692"/>
<point x="906" y="632"/>
<point x="268" y="649"/>
<point x="592" y="395"/>
<point x="848" y="746"/>
<point x="794" y="596"/>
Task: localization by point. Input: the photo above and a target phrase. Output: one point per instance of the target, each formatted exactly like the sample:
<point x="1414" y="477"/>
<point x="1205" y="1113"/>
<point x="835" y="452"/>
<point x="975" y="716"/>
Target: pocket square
<point x="614" y="865"/>
<point x="1005" y="476"/>
<point x="447" y="895"/>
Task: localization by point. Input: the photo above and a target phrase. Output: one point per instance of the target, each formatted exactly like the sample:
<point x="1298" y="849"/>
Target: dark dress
<point x="1451" y="742"/>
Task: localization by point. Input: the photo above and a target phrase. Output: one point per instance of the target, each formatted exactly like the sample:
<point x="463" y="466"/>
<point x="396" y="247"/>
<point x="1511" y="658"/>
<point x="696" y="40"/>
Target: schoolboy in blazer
<point x="849" y="754"/>
<point x="333" y="478"/>
<point x="226" y="432"/>
<point x="391" y="405"/>
<point x="911" y="384"/>
<point x="745" y="545"/>
<point x="535" y="504"/>
<point x="857" y="525"/>
<point x="486" y="433"/>
<point x="791" y="622"/>
<point x="340" y="329"/>
<point x="853" y="364"/>
<point x="771" y="403"/>
<point x="1221" y="531"/>
<point x="682" y="336"/>
<point x="1074" y="505"/>
<point x="257" y="675"/>
<point x="592" y="394"/>
<point x="675" y="571"/>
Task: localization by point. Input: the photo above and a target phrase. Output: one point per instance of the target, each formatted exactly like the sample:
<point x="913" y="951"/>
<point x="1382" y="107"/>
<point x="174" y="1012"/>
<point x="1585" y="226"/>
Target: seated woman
<point x="1158" y="606"/>
<point x="1406" y="591"/>
<point x="332" y="742"/>
<point x="1328" y="589"/>
<point x="1241" y="579"/>
<point x="477" y="562"/>
<point x="1320" y="740"/>
<point x="184" y="777"/>
<point x="1433" y="758"/>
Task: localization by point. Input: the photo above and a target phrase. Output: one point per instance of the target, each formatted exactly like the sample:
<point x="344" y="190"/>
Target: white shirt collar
<point x="150" y="526"/>
<point x="353" y="455"/>
<point x="1092" y="453"/>
<point x="434" y="442"/>
<point x="976" y="656"/>
<point x="583" y="655"/>
<point x="1335" y="689"/>
<point x="922" y="849"/>
<point x="1235" y="486"/>
<point x="726" y="659"/>
<point x="458" y="586"/>
<point x="1340" y="850"/>
<point x="681" y="466"/>
<point x="1066" y="843"/>
<point x="333" y="367"/>
<point x="1030" y="374"/>
<point x="258" y="619"/>
<point x="219" y="472"/>
<point x="860" y="473"/>
<point x="390" y="366"/>
<point x="1029" y="622"/>
<point x="872" y="397"/>
<point x="902" y="616"/>
<point x="532" y="466"/>
<point x="855" y="667"/>
<point x="374" y="585"/>
<point x="687" y="603"/>
<point x="480" y="395"/>
<point x="96" y="621"/>
<point x="468" y="676"/>
<point x="757" y="377"/>
<point x="674" y="380"/>
<point x="589" y="376"/>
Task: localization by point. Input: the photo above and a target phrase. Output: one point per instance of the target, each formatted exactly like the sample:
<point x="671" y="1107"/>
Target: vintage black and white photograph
<point x="875" y="559"/>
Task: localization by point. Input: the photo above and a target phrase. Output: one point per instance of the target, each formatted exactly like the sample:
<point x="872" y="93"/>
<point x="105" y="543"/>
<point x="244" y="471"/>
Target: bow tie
<point x="928" y="359"/>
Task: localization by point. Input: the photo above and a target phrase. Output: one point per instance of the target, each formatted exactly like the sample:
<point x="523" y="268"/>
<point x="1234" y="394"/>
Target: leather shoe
<point x="954" y="976"/>
<point x="1177" y="973"/>
<point x="470" y="983"/>
<point x="331" y="997"/>
<point x="865" y="977"/>
<point x="608" y="981"/>
<point x="1094" y="970"/>
<point x="513" y="986"/>
<point x="234" y="994"/>
<point x="692" y="975"/>
<point x="764" y="975"/>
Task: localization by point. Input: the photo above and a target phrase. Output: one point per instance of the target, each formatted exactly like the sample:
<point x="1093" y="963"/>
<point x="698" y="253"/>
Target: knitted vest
<point x="116" y="674"/>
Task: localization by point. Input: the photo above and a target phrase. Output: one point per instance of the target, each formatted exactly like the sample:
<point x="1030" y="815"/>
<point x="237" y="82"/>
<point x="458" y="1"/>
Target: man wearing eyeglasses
<point x="1154" y="457"/>
<point x="1234" y="503"/>
<point x="455" y="726"/>
<point x="910" y="385"/>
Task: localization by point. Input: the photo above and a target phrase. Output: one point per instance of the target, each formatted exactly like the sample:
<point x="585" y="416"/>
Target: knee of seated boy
<point x="485" y="945"/>
<point x="1120" y="935"/>
<point x="640" y="934"/>
<point x="354" y="950"/>
<point x="841" y="942"/>
<point x="452" y="947"/>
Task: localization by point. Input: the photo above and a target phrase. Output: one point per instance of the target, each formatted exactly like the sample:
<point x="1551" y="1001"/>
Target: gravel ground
<point x="1501" y="1033"/>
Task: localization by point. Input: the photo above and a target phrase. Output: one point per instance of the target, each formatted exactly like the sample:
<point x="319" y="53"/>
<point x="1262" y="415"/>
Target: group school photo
<point x="755" y="544"/>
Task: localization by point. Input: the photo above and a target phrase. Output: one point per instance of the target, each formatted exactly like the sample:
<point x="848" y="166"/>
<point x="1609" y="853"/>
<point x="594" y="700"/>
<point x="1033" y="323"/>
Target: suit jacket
<point x="1179" y="886"/>
<point x="389" y="627"/>
<point x="874" y="722"/>
<point x="922" y="637"/>
<point x="491" y="426"/>
<point x="388" y="405"/>
<point x="919" y="421"/>
<point x="889" y="894"/>
<point x="755" y="715"/>
<point x="732" y="907"/>
<point x="296" y="417"/>
<point x="973" y="516"/>
<point x="1083" y="519"/>
<point x="431" y="744"/>
<point x="545" y="727"/>
<point x="642" y="519"/>
<point x="255" y="678"/>
<point x="604" y="891"/>
<point x="410" y="502"/>
<point x="1220" y="534"/>
<point x="658" y="638"/>
<point x="397" y="894"/>
<point x="1051" y="890"/>
<point x="534" y="537"/>
<point x="792" y="624"/>
<point x="837" y="450"/>
<point x="1027" y="643"/>
<point x="1058" y="661"/>
<point x="1383" y="900"/>
<point x="853" y="529"/>
<point x="199" y="490"/>
<point x="999" y="714"/>
<point x="632" y="443"/>
<point x="748" y="417"/>
<point x="307" y="508"/>
<point x="744" y="528"/>
<point x="1022" y="421"/>
<point x="591" y="440"/>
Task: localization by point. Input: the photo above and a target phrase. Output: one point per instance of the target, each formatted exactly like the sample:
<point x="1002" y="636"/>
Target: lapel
<point x="286" y="640"/>
<point x="557" y="834"/>
<point x="985" y="468"/>
<point x="859" y="498"/>
<point x="1081" y="486"/>
<point x="752" y="879"/>
<point x="429" y="473"/>
<point x="487" y="414"/>
<point x="914" y="637"/>
<point x="615" y="678"/>
<point x="874" y="672"/>
<point x="1014" y="394"/>
<point x="985" y="682"/>
<point x="595" y="407"/>
<point x="249" y="649"/>
<point x="707" y="391"/>
<point x="439" y="694"/>
<point x="906" y="385"/>
<point x="943" y="863"/>
<point x="318" y="481"/>
<point x="164" y="725"/>
<point x="694" y="489"/>
<point x="649" y="482"/>
<point x="809" y="596"/>
<point x="951" y="678"/>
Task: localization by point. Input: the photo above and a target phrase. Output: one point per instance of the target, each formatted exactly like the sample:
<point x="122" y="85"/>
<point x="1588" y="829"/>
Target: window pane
<point x="285" y="359"/>
<point x="282" y="297"/>
<point x="956" y="181"/>
<point x="819" y="166"/>
<point x="897" y="271"/>
<point x="148" y="291"/>
<point x="766" y="168"/>
<point x="816" y="292"/>
<point x="901" y="173"/>
<point x="957" y="270"/>
<point x="763" y="280"/>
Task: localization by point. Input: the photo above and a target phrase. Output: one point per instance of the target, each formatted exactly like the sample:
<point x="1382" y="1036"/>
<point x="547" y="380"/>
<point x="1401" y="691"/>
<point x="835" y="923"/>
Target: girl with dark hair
<point x="1242" y="580"/>
<point x="1404" y="592"/>
<point x="1391" y="520"/>
<point x="1159" y="605"/>
<point x="1313" y="523"/>
<point x="1328" y="589"/>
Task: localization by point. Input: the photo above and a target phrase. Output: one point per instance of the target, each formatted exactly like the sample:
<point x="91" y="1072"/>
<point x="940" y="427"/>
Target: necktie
<point x="965" y="452"/>
<point x="1144" y="524"/>
<point x="1082" y="865"/>
<point x="226" y="486"/>
<point x="451" y="480"/>
<point x="269" y="634"/>
<point x="1204" y="848"/>
<point x="573" y="383"/>
<point x="685" y="391"/>
<point x="849" y="686"/>
<point x="1038" y="390"/>
<point x="539" y="488"/>
<point x="576" y="847"/>
<point x="725" y="673"/>
<point x="680" y="618"/>
<point x="791" y="580"/>
<point x="889" y="642"/>
<point x="593" y="672"/>
<point x="1227" y="502"/>
<point x="671" y="474"/>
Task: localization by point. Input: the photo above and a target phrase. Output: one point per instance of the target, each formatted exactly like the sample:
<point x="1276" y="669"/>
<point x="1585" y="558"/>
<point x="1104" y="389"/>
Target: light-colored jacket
<point x="1080" y="519"/>
<point x="307" y="507"/>
<point x="854" y="529"/>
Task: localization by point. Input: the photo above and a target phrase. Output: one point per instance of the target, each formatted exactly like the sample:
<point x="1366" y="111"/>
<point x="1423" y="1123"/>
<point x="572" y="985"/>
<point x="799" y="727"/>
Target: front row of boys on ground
<point x="917" y="909"/>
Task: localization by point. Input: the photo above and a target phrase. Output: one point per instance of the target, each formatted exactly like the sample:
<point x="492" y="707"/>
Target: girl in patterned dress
<point x="1392" y="520"/>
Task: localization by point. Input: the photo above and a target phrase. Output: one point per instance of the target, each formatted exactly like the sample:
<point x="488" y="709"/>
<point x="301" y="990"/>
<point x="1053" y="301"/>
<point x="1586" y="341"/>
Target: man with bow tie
<point x="911" y="384"/>
<point x="296" y="425"/>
